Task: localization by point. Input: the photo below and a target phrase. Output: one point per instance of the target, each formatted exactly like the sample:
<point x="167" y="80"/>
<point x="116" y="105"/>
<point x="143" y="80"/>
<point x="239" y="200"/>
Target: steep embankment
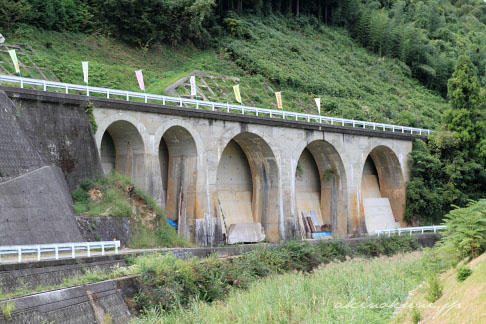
<point x="266" y="55"/>
<point x="461" y="302"/>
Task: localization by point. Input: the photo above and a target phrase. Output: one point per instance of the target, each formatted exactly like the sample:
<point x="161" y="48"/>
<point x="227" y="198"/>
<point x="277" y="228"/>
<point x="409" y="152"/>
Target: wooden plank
<point x="311" y="224"/>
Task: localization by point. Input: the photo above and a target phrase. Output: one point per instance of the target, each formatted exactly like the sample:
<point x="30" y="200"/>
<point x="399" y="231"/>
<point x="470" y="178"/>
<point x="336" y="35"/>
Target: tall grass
<point x="348" y="292"/>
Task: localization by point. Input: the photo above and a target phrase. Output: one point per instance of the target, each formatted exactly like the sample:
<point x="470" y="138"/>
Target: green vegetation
<point x="168" y="283"/>
<point x="332" y="294"/>
<point x="461" y="301"/>
<point x="115" y="195"/>
<point x="434" y="288"/>
<point x="463" y="272"/>
<point x="466" y="230"/>
<point x="7" y="308"/>
<point x="416" y="315"/>
<point x="451" y="168"/>
<point x="307" y="61"/>
<point x="355" y="85"/>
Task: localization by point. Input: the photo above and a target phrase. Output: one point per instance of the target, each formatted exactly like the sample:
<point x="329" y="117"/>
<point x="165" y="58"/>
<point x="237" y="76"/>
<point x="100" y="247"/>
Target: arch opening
<point x="247" y="190"/>
<point x="122" y="149"/>
<point x="108" y="153"/>
<point x="382" y="191"/>
<point x="319" y="189"/>
<point x="178" y="172"/>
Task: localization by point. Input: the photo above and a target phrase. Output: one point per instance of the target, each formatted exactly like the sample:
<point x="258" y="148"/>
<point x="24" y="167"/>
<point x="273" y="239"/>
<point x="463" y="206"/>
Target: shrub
<point x="463" y="272"/>
<point x="334" y="251"/>
<point x="7" y="308"/>
<point x="370" y="248"/>
<point x="416" y="315"/>
<point x="466" y="229"/>
<point x="300" y="256"/>
<point x="433" y="288"/>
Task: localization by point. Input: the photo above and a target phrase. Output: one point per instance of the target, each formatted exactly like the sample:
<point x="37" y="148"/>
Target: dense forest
<point x="427" y="35"/>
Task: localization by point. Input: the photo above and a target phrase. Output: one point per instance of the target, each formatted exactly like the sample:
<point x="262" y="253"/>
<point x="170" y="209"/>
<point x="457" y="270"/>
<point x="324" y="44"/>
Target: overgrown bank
<point x="331" y="294"/>
<point x="115" y="195"/>
<point x="168" y="283"/>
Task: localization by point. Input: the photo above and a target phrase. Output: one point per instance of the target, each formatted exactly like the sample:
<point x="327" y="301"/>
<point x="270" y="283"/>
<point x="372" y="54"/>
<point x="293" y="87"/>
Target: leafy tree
<point x="466" y="229"/>
<point x="13" y="11"/>
<point x="451" y="168"/>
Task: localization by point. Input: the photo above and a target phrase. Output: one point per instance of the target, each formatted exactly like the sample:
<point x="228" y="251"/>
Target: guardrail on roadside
<point x="39" y="249"/>
<point x="411" y="230"/>
<point x="214" y="106"/>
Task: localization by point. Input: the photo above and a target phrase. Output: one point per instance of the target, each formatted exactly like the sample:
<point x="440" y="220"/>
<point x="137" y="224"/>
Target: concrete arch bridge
<point x="216" y="172"/>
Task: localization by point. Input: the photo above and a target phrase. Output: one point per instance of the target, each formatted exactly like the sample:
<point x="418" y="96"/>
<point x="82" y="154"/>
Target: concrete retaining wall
<point x="35" y="132"/>
<point x="17" y="152"/>
<point x="36" y="208"/>
<point x="47" y="273"/>
<point x="105" y="228"/>
<point x="91" y="303"/>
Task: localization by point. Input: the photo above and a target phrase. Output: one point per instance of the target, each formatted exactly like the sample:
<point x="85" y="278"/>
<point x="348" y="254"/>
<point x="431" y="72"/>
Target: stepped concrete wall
<point x="36" y="208"/>
<point x="31" y="275"/>
<point x="87" y="304"/>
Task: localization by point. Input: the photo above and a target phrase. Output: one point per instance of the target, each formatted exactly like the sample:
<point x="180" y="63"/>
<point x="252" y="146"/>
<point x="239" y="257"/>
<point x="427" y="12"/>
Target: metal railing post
<point x="116" y="248"/>
<point x="73" y="255"/>
<point x="19" y="249"/>
<point x="89" y="252"/>
<point x="38" y="253"/>
<point x="57" y="251"/>
<point x="102" y="248"/>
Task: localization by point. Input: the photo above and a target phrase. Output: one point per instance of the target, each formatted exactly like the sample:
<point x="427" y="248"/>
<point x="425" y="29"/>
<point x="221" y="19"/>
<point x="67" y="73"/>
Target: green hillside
<point x="272" y="54"/>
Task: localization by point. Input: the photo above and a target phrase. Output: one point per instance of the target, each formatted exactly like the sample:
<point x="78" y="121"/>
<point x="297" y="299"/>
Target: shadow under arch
<point x="122" y="149"/>
<point x="178" y="171"/>
<point x="382" y="177"/>
<point x="320" y="182"/>
<point x="247" y="184"/>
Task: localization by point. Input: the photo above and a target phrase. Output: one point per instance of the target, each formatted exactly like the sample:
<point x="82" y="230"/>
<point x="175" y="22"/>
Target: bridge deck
<point x="73" y="99"/>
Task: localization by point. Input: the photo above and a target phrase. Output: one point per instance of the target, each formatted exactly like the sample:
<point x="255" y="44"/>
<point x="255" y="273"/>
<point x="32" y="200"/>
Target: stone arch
<point x="178" y="158"/>
<point x="320" y="182"/>
<point x="247" y="184"/>
<point x="382" y="177"/>
<point x="122" y="148"/>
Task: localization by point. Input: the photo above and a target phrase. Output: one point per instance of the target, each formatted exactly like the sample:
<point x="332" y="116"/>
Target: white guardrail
<point x="411" y="230"/>
<point x="56" y="248"/>
<point x="214" y="106"/>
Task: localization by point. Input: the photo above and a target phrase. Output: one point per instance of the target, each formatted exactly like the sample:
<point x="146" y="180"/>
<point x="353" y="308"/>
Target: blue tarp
<point x="172" y="223"/>
<point x="321" y="234"/>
